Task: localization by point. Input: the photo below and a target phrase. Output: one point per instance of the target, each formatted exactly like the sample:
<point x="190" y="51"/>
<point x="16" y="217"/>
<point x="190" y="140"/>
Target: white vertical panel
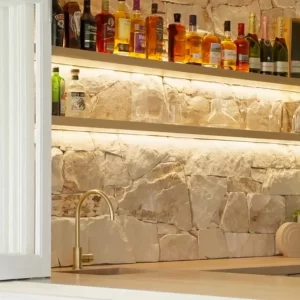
<point x="4" y="153"/>
<point x="25" y="139"/>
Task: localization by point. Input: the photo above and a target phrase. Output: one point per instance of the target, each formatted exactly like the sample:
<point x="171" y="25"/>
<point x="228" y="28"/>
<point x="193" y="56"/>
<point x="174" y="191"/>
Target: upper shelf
<point x="89" y="59"/>
<point x="170" y="130"/>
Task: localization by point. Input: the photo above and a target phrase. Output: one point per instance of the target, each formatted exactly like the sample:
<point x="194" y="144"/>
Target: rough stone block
<point x="57" y="166"/>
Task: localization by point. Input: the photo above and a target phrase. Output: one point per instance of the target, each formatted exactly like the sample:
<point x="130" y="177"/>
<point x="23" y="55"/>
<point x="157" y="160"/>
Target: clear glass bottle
<point x="266" y="49"/>
<point x="122" y="30"/>
<point x="177" y="40"/>
<point x="218" y="117"/>
<point x="280" y="51"/>
<point x="154" y="34"/>
<point x="88" y="29"/>
<point x="228" y="57"/>
<point x="137" y="47"/>
<point x="242" y="63"/>
<point x="76" y="97"/>
<point x="193" y="43"/>
<point x="211" y="51"/>
<point x="105" y="29"/>
<point x="254" y="48"/>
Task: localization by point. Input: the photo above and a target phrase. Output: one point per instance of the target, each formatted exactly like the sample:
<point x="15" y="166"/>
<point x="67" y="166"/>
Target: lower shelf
<point x="170" y="130"/>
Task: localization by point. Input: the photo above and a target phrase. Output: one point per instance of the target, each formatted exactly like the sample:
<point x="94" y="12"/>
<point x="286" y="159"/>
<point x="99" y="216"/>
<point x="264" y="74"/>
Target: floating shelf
<point x="169" y="130"/>
<point x="90" y="59"/>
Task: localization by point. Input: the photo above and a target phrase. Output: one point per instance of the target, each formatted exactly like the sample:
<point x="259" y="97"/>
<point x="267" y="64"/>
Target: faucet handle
<point x="86" y="258"/>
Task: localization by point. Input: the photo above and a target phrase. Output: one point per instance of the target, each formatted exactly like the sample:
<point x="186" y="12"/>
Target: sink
<point x="292" y="270"/>
<point x="108" y="271"/>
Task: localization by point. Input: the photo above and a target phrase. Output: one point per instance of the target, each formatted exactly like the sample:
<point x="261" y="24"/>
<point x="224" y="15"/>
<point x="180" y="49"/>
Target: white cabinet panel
<point x="25" y="138"/>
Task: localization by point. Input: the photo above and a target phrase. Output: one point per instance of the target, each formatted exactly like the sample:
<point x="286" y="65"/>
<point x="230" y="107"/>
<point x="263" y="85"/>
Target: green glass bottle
<point x="58" y="94"/>
<point x="280" y="51"/>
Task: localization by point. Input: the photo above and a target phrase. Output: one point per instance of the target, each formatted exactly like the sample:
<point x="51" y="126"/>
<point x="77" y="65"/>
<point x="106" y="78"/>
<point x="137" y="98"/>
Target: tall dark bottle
<point x="58" y="24"/>
<point x="281" y="66"/>
<point x="266" y="50"/>
<point x="72" y="24"/>
<point x="88" y="28"/>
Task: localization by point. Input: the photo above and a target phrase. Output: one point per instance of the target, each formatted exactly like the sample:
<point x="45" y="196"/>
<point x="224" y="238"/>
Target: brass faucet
<point x="78" y="257"/>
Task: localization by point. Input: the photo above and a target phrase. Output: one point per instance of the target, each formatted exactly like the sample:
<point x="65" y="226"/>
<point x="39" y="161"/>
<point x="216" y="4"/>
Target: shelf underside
<point x="90" y="59"/>
<point x="170" y="130"/>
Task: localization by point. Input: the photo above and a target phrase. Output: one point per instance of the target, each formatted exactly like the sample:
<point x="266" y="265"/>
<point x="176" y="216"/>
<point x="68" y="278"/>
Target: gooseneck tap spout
<point x="78" y="257"/>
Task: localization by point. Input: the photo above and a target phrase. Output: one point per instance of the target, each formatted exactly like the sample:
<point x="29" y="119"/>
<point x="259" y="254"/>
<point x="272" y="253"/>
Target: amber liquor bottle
<point x="177" y="40"/>
<point x="72" y="24"/>
<point x="154" y="34"/>
<point x="58" y="24"/>
<point x="137" y="46"/>
<point x="228" y="57"/>
<point x="193" y="43"/>
<point x="211" y="51"/>
<point x="88" y="29"/>
<point x="242" y="45"/>
<point x="105" y="29"/>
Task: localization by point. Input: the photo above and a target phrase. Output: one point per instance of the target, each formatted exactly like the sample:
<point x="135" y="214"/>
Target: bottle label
<point x="267" y="67"/>
<point x="60" y="21"/>
<point x="78" y="101"/>
<point x="254" y="63"/>
<point x="90" y="32"/>
<point x="160" y="30"/>
<point x="215" y="53"/>
<point x="281" y="66"/>
<point x="124" y="29"/>
<point x="243" y="58"/>
<point x="75" y="23"/>
<point x="123" y="47"/>
<point x="197" y="55"/>
<point x="229" y="55"/>
<point x="139" y="42"/>
<point x="108" y="35"/>
<point x="295" y="66"/>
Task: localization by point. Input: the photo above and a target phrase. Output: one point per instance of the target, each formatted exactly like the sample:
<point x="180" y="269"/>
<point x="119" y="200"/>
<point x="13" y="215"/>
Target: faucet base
<point x="77" y="255"/>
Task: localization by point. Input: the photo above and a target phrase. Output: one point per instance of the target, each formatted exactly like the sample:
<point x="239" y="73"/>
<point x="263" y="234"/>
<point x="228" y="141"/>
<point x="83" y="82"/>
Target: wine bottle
<point x="266" y="50"/>
<point x="58" y="24"/>
<point x="280" y="51"/>
<point x="254" y="48"/>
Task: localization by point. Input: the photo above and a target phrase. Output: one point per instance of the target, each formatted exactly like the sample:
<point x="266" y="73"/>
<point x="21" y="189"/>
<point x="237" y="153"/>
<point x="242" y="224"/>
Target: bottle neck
<point x="265" y="33"/>
<point x="105" y="5"/>
<point x="75" y="77"/>
<point x="227" y="34"/>
<point x="87" y="7"/>
<point x="252" y="25"/>
<point x="193" y="28"/>
<point x="56" y="73"/>
<point x="280" y="29"/>
<point x="121" y="6"/>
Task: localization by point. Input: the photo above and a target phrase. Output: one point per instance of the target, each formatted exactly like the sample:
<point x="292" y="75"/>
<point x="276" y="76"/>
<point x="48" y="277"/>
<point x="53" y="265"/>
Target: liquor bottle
<point x="76" y="97"/>
<point x="254" y="48"/>
<point x="154" y="34"/>
<point x="266" y="50"/>
<point x="58" y="93"/>
<point x="193" y="43"/>
<point x="211" y="51"/>
<point x="88" y="29"/>
<point x="72" y="24"/>
<point x="58" y="24"/>
<point x="280" y="50"/>
<point x="177" y="41"/>
<point x="122" y="30"/>
<point x="105" y="29"/>
<point x="137" y="46"/>
<point x="242" y="45"/>
<point x="228" y="47"/>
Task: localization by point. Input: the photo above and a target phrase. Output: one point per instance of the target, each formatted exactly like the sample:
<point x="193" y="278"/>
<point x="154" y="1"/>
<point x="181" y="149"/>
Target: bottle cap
<point x="193" y="20"/>
<point x="56" y="69"/>
<point x="227" y="26"/>
<point x="75" y="71"/>
<point x="154" y="8"/>
<point x="252" y="15"/>
<point x="177" y="18"/>
<point x="136" y="5"/>
<point x="241" y="28"/>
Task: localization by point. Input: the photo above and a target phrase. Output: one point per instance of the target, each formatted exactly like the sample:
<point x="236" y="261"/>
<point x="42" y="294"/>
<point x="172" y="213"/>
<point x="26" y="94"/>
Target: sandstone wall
<point x="175" y="199"/>
<point x="212" y="13"/>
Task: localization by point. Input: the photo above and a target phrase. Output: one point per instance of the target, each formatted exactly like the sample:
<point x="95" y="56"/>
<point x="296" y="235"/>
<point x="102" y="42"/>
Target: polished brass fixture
<point x="78" y="257"/>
